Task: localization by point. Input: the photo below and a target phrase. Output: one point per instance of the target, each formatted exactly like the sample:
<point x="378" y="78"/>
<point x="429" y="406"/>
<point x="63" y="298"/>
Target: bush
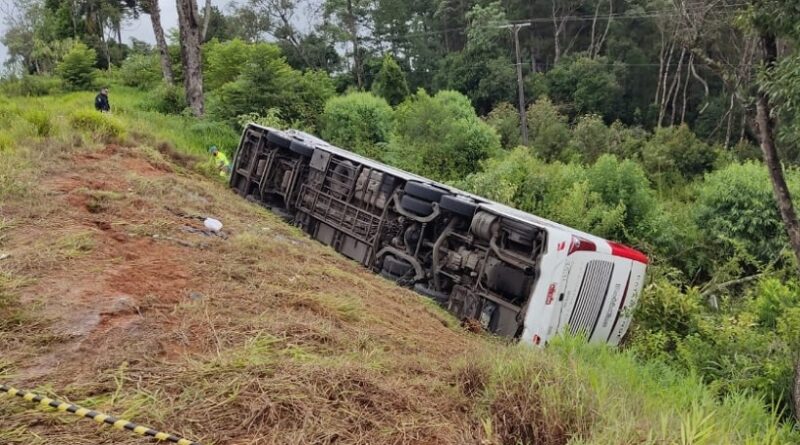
<point x="267" y="81"/>
<point x="524" y="181"/>
<point x="269" y="118"/>
<point x="590" y="139"/>
<point x="30" y="85"/>
<point x="77" y="68"/>
<point x="390" y="83"/>
<point x="360" y="122"/>
<point x="548" y="130"/>
<point x="612" y="198"/>
<point x="225" y="61"/>
<point x="140" y="71"/>
<point x="504" y="118"/>
<point x="737" y="212"/>
<point x="101" y="125"/>
<point x="167" y="99"/>
<point x="589" y="85"/>
<point x="40" y="120"/>
<point x="441" y="136"/>
<point x="675" y="154"/>
<point x="623" y="184"/>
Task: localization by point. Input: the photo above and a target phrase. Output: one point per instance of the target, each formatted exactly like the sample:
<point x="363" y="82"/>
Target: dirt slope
<point x="113" y="298"/>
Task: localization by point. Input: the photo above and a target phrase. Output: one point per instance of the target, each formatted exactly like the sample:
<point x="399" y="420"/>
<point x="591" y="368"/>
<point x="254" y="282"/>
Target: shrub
<point x="40" y="120"/>
<point x="267" y="81"/>
<point x="736" y="210"/>
<point x="358" y="122"/>
<point x="522" y="180"/>
<point x="623" y="184"/>
<point x="771" y="299"/>
<point x="548" y="130"/>
<point x="77" y="68"/>
<point x="269" y="118"/>
<point x="504" y="118"/>
<point x="101" y="125"/>
<point x="674" y="154"/>
<point x="167" y="99"/>
<point x="30" y="85"/>
<point x="441" y="136"/>
<point x="225" y="61"/>
<point x="140" y="71"/>
<point x="590" y="138"/>
<point x="390" y="83"/>
<point x="589" y="85"/>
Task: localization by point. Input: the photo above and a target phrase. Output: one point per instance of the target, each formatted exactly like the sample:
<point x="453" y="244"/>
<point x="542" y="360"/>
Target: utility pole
<point x="522" y="117"/>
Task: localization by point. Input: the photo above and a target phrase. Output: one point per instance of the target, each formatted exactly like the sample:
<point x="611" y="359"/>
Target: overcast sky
<point x="140" y="29"/>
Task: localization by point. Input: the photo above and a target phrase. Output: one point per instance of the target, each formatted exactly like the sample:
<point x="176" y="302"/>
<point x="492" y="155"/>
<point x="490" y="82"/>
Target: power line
<point x="717" y="11"/>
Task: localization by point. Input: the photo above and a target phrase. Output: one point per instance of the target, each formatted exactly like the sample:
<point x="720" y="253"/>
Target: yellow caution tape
<point x="97" y="417"/>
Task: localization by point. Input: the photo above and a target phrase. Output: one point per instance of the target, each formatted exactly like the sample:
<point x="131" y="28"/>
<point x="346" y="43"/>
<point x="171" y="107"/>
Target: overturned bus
<point x="511" y="272"/>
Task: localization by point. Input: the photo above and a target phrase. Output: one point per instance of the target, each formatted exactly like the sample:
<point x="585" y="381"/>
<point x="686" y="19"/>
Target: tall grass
<point x="593" y="394"/>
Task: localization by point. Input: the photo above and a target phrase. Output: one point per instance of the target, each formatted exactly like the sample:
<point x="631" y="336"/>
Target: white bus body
<point x="511" y="272"/>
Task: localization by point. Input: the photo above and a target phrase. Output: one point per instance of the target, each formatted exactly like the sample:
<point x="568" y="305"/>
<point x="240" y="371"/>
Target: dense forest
<point x="668" y="125"/>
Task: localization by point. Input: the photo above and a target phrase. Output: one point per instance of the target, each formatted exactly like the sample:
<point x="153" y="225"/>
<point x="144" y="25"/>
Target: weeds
<point x="101" y="125"/>
<point x="75" y="245"/>
<point x="40" y="120"/>
<point x="100" y="201"/>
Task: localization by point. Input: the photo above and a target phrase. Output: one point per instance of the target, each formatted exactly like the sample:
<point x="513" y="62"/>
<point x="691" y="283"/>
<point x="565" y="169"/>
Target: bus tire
<point x="301" y="148"/>
<point x="395" y="267"/>
<point x="460" y="206"/>
<point x="424" y="191"/>
<point x="416" y="206"/>
<point x="279" y="139"/>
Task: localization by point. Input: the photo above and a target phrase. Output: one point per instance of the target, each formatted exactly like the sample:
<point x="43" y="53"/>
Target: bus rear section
<point x="490" y="265"/>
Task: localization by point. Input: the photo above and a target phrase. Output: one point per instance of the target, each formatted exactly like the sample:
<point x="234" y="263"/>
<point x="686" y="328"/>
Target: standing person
<point x="101" y="101"/>
<point x="221" y="161"/>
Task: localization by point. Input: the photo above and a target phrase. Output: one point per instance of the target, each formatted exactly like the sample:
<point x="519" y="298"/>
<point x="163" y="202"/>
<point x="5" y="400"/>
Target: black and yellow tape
<point x="96" y="416"/>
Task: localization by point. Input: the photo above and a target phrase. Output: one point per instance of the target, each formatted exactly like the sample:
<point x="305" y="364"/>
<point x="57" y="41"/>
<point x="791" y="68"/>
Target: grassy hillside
<point x="111" y="299"/>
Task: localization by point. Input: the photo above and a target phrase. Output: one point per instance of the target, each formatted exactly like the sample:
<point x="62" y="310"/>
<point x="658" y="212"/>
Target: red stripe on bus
<point x="627" y="252"/>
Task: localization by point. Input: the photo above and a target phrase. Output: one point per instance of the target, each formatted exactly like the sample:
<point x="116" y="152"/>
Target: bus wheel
<point x="424" y="191"/>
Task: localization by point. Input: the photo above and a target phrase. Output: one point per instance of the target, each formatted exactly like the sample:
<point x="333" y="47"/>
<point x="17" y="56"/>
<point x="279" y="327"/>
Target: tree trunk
<point x="161" y="42"/>
<point x="766" y="125"/>
<point x="190" y="54"/>
<point x="351" y="23"/>
<point x="796" y="392"/>
<point x="206" y="20"/>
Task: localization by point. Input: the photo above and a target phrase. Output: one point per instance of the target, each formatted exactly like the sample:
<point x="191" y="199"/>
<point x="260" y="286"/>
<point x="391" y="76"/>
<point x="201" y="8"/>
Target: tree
<point x="77" y="68"/>
<point x="360" y="122"/>
<point x="586" y="85"/>
<point x="390" y="83"/>
<point x="441" y="136"/>
<point x="549" y="131"/>
<point x="189" y="24"/>
<point x="262" y="80"/>
<point x="483" y="70"/>
<point x="347" y="16"/>
<point x="151" y="8"/>
<point x="504" y="118"/>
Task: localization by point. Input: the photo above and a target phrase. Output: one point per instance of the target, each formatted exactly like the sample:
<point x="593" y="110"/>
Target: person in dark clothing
<point x="101" y="101"/>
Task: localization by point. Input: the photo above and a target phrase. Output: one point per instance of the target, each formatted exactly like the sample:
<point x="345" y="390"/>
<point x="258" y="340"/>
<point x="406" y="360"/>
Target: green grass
<point x="598" y="395"/>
